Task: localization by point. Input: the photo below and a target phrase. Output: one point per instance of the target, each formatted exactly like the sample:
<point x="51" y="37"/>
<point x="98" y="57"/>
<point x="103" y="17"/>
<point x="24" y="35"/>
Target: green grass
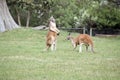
<point x="22" y="57"/>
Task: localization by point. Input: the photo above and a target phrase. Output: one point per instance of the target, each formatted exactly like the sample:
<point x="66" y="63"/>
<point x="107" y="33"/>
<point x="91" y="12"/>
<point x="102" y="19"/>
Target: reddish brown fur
<point x="82" y="38"/>
<point x="49" y="40"/>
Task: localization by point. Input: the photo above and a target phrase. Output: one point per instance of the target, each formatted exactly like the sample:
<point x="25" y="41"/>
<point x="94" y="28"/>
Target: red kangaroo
<point x="52" y="35"/>
<point x="80" y="40"/>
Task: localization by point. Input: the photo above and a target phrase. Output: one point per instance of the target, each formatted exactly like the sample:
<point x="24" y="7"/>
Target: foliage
<point x="73" y="13"/>
<point x="109" y="16"/>
<point x="64" y="11"/>
<point x="38" y="8"/>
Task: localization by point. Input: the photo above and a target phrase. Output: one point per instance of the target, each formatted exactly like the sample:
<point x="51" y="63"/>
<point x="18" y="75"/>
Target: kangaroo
<point x="80" y="40"/>
<point x="52" y="35"/>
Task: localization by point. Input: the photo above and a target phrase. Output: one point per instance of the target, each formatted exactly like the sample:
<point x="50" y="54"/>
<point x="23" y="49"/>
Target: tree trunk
<point x="6" y="20"/>
<point x="28" y="19"/>
<point x="18" y="16"/>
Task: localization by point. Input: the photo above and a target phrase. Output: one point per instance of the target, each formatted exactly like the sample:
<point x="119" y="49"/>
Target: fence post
<point x="83" y="30"/>
<point x="90" y="31"/>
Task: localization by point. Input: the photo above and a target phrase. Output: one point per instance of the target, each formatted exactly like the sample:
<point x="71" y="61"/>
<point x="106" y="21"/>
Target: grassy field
<point x="22" y="57"/>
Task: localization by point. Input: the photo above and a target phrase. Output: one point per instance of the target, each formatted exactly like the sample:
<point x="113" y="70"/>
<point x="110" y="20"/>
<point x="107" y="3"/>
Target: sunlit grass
<point x="22" y="57"/>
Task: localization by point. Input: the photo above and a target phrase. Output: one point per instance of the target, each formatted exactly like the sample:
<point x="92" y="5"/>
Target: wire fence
<point x="93" y="31"/>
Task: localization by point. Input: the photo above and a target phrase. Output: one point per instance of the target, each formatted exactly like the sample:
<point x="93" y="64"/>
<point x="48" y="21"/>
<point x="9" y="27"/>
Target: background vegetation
<point x="68" y="13"/>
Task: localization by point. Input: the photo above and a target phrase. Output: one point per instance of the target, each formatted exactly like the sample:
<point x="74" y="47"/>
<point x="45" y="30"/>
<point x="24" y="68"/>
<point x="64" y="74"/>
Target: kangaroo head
<point x="69" y="36"/>
<point x="52" y="19"/>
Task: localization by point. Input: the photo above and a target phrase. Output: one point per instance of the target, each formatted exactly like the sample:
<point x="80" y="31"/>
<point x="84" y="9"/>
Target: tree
<point x="68" y="13"/>
<point x="108" y="15"/>
<point x="6" y="20"/>
<point x="99" y="13"/>
<point x="64" y="12"/>
<point x="31" y="12"/>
